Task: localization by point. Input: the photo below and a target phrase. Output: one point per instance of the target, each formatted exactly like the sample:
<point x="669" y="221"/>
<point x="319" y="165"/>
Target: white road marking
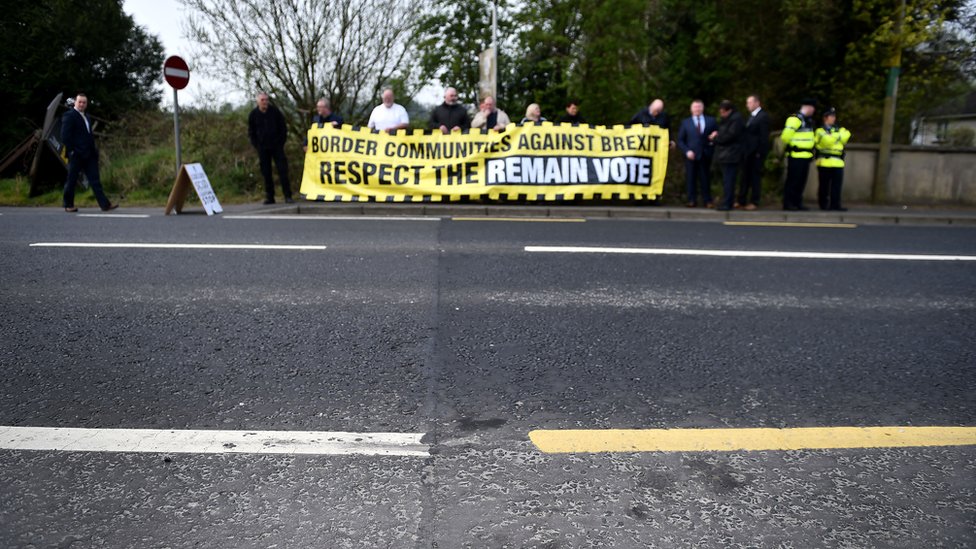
<point x="130" y="216"/>
<point x="212" y="441"/>
<point x="748" y="253"/>
<point x="173" y="246"/>
<point x="333" y="217"/>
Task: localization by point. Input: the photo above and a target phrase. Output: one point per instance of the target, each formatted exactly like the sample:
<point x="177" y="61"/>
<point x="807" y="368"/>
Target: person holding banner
<point x="572" y="115"/>
<point x="323" y="116"/>
<point x="533" y="113"/>
<point x="490" y="117"/>
<point x="388" y="116"/>
<point x="450" y="115"/>
<point x="654" y="115"/>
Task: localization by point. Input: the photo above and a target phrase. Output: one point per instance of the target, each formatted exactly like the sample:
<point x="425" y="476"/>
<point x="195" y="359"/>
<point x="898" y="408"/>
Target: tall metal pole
<point x="888" y="116"/>
<point x="176" y="128"/>
<point x="494" y="49"/>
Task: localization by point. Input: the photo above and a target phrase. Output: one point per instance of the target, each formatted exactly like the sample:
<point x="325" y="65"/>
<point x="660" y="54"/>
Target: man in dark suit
<point x="693" y="142"/>
<point x="728" y="149"/>
<point x="76" y="135"/>
<point x="756" y="148"/>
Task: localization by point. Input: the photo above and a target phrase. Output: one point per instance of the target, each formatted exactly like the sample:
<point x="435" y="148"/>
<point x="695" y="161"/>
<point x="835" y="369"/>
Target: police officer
<point x="798" y="137"/>
<point x="830" y="140"/>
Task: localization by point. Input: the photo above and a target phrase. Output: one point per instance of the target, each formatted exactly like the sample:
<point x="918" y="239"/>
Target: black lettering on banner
<point x="355" y="174"/>
<point x="368" y="170"/>
<point x="325" y="172"/>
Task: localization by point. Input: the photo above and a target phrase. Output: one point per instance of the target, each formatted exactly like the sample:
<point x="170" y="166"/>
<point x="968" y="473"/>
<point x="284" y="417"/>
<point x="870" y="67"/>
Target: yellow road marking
<point x="790" y="224"/>
<point x="727" y="440"/>
<point x="525" y="219"/>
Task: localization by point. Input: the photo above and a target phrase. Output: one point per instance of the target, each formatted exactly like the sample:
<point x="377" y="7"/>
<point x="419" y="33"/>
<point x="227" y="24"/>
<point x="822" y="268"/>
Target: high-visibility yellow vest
<point x="798" y="136"/>
<point x="830" y="142"/>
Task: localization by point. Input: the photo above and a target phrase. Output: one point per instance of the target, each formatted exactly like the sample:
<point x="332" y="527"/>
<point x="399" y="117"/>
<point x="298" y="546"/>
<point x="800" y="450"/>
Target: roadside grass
<point x="138" y="161"/>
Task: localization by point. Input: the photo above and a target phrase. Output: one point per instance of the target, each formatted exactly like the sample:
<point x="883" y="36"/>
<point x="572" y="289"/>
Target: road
<point x="454" y="332"/>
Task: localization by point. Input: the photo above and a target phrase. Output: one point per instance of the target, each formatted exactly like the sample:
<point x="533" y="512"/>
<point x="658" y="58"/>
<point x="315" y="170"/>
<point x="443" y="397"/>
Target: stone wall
<point x="919" y="175"/>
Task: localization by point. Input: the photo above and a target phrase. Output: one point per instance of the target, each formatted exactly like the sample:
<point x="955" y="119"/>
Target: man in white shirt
<point x="388" y="117"/>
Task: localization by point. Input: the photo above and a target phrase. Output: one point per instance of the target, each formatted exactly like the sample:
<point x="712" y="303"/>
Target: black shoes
<point x="269" y="201"/>
<point x="289" y="200"/>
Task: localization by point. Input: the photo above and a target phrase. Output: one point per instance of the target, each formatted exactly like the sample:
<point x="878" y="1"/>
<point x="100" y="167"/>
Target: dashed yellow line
<point x="790" y="224"/>
<point x="728" y="440"/>
<point x="524" y="219"/>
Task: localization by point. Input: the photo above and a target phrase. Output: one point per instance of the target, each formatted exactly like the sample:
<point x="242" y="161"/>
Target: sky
<point x="166" y="19"/>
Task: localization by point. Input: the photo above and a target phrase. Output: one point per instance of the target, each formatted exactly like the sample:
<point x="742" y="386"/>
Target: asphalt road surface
<point x="453" y="332"/>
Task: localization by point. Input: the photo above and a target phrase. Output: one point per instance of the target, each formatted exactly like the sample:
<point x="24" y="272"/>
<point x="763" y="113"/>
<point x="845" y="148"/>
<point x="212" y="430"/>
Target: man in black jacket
<point x="450" y="115"/>
<point x="728" y="149"/>
<point x="76" y="135"/>
<point x="756" y="149"/>
<point x="267" y="131"/>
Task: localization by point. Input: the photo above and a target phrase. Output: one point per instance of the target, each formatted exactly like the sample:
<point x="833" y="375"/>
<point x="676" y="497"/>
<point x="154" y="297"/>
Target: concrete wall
<point x="919" y="175"/>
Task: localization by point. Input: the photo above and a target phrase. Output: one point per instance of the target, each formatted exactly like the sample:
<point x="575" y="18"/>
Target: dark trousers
<point x="729" y="171"/>
<point x="89" y="166"/>
<point x="265" y="156"/>
<point x="828" y="193"/>
<point x="750" y="188"/>
<point x="797" y="170"/>
<point x="697" y="176"/>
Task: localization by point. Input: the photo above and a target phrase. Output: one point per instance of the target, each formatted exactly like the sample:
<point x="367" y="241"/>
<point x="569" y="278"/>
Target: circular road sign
<point x="176" y="72"/>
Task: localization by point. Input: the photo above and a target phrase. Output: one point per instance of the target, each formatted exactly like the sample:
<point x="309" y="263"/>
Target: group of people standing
<point x="739" y="144"/>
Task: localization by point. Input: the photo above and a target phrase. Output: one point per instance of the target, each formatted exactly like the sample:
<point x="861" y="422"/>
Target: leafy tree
<point x="298" y="50"/>
<point x="53" y="46"/>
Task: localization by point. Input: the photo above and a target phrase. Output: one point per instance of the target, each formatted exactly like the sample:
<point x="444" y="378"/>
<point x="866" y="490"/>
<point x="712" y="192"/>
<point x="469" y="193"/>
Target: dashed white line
<point x="212" y="441"/>
<point x="749" y="253"/>
<point x="121" y="216"/>
<point x="332" y="217"/>
<point x="174" y="246"/>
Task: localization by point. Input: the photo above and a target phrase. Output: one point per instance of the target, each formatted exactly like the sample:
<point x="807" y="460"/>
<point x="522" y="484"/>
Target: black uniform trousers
<point x="729" y="172"/>
<point x="89" y="165"/>
<point x="797" y="170"/>
<point x="278" y="154"/>
<point x="828" y="193"/>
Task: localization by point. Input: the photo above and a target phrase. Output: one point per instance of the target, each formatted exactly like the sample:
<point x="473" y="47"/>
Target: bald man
<point x="654" y="115"/>
<point x="450" y="115"/>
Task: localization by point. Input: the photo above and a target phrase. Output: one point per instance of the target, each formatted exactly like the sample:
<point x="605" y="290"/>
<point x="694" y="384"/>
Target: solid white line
<point x="212" y="441"/>
<point x="132" y="216"/>
<point x="748" y="253"/>
<point x="173" y="246"/>
<point x="333" y="217"/>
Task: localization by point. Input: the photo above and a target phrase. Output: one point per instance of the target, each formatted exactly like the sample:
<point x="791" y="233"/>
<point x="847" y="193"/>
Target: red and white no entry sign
<point x="176" y="72"/>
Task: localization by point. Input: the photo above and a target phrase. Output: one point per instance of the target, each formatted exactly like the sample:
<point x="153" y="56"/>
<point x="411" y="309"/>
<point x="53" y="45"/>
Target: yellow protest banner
<point x="535" y="162"/>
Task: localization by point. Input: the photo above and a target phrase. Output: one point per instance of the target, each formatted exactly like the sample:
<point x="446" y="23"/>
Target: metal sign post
<point x="177" y="74"/>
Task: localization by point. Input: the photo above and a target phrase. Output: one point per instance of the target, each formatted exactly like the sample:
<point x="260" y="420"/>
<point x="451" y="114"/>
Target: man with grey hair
<point x="388" y="116"/>
<point x="450" y="115"/>
<point x="323" y="115"/>
<point x="267" y="131"/>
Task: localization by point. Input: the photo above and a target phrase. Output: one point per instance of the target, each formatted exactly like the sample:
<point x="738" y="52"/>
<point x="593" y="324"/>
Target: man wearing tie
<point x="76" y="135"/>
<point x="757" y="147"/>
<point x="694" y="143"/>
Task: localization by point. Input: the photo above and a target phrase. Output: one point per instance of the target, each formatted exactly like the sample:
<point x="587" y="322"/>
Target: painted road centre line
<point x="120" y="216"/>
<point x="212" y="441"/>
<point x="524" y="219"/>
<point x="173" y="246"/>
<point x="790" y="224"/>
<point x="748" y="253"/>
<point x="730" y="440"/>
<point x="332" y="217"/>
